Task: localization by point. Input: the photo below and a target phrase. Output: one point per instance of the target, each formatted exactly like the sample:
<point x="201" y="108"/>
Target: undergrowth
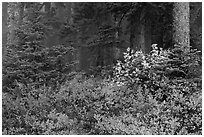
<point x="155" y="94"/>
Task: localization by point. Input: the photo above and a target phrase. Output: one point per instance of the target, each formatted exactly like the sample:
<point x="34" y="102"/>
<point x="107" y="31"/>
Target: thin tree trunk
<point x="48" y="8"/>
<point x="21" y="13"/>
<point x="142" y="37"/>
<point x="115" y="50"/>
<point x="11" y="22"/>
<point x="76" y="53"/>
<point x="4" y="26"/>
<point x="72" y="13"/>
<point x="147" y="37"/>
<point x="181" y="25"/>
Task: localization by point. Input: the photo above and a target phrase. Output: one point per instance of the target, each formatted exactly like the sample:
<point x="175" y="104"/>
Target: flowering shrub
<point x="143" y="98"/>
<point x="164" y="77"/>
<point x="157" y="68"/>
<point x="138" y="67"/>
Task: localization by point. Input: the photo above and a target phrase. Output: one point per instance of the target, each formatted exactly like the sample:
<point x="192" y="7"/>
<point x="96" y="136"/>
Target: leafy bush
<point x="93" y="106"/>
<point x="25" y="106"/>
<point x="142" y="99"/>
<point x="166" y="78"/>
<point x="157" y="69"/>
<point x="33" y="111"/>
<point x="180" y="114"/>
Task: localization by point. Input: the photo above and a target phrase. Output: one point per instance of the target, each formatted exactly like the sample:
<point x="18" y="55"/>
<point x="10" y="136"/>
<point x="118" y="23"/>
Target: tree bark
<point x="147" y="36"/>
<point x="142" y="37"/>
<point x="15" y="17"/>
<point x="181" y="27"/>
<point x="11" y="23"/>
<point x="48" y="8"/>
<point x="4" y="26"/>
<point x="21" y="12"/>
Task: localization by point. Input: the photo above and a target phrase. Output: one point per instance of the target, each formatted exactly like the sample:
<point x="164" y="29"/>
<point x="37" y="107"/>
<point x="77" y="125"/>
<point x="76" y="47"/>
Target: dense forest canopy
<point x="101" y="67"/>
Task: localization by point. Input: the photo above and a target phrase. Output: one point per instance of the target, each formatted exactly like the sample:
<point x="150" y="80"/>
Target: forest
<point x="101" y="68"/>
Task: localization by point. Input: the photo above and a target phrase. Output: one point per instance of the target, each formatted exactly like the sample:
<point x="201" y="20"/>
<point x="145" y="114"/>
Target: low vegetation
<point x="155" y="94"/>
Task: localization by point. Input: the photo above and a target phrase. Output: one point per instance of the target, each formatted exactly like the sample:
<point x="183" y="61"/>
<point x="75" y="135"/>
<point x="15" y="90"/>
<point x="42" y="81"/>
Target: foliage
<point x="34" y="113"/>
<point x="88" y="105"/>
<point x="155" y="94"/>
<point x="155" y="118"/>
<point x="159" y="13"/>
<point x="97" y="33"/>
<point x="28" y="61"/>
<point x="159" y="65"/>
<point x="166" y="78"/>
<point x="101" y="27"/>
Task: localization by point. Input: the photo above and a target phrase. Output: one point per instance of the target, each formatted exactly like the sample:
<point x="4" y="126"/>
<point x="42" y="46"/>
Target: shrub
<point x="143" y="100"/>
<point x="164" y="77"/>
<point x="158" y="68"/>
<point x="92" y="106"/>
<point x="180" y="114"/>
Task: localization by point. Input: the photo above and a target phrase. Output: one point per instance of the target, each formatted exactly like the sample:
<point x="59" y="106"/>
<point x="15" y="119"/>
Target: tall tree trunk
<point x="4" y="26"/>
<point x="147" y="36"/>
<point x="115" y="50"/>
<point x="21" y="12"/>
<point x="196" y="25"/>
<point x="142" y="37"/>
<point x="15" y="18"/>
<point x="72" y="13"/>
<point x="48" y="8"/>
<point x="11" y="22"/>
<point x="60" y="12"/>
<point x="76" y="54"/>
<point x="69" y="12"/>
<point x="181" y="25"/>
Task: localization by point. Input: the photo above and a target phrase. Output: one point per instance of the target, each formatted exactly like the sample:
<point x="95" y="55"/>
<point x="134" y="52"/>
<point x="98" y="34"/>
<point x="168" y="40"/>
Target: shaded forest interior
<point x="100" y="32"/>
<point x="114" y="47"/>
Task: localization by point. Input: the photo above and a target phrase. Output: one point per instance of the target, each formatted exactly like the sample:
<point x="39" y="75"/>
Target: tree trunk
<point x="196" y="25"/>
<point x="48" y="8"/>
<point x="4" y="26"/>
<point x="72" y="13"/>
<point x="147" y="36"/>
<point x="11" y="23"/>
<point x="21" y="13"/>
<point x="76" y="54"/>
<point x="181" y="25"/>
<point x="142" y="37"/>
<point x="60" y="12"/>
